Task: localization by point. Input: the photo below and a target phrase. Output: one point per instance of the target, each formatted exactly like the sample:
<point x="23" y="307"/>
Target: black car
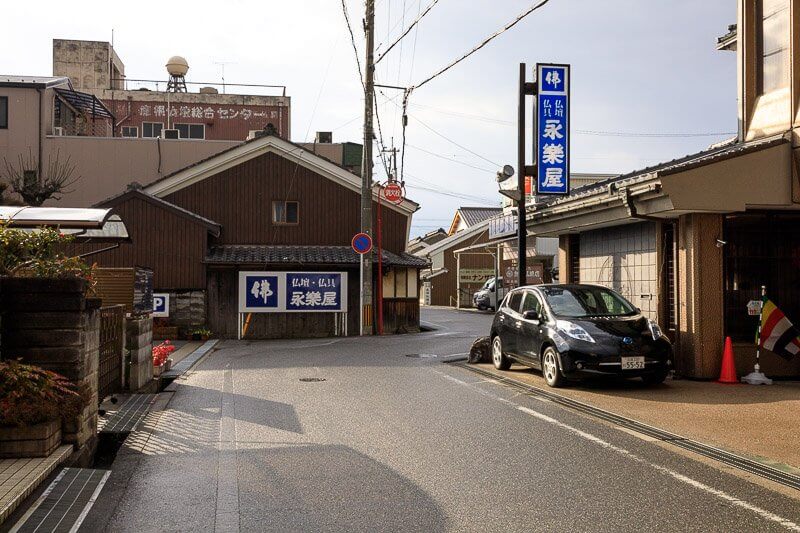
<point x="576" y="331"/>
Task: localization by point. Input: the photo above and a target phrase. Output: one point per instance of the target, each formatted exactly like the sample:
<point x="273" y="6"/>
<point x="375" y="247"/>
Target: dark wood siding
<point x="444" y="286"/>
<point x="171" y="245"/>
<point x="240" y="199"/>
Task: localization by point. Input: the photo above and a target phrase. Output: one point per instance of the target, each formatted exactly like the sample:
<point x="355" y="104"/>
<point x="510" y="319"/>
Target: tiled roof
<point x="476" y="215"/>
<point x="328" y="255"/>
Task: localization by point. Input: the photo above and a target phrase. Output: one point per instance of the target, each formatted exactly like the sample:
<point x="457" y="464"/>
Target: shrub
<point x="30" y="395"/>
<point x="36" y="254"/>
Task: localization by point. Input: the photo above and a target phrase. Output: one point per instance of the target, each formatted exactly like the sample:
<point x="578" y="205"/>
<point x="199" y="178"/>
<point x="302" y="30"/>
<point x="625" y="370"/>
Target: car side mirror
<point x="532" y="315"/>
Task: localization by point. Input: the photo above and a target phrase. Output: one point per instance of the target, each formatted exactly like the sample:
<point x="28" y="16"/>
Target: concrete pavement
<point x="388" y="442"/>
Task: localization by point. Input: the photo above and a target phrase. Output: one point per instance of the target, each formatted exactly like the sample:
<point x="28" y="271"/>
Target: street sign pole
<point x="523" y="171"/>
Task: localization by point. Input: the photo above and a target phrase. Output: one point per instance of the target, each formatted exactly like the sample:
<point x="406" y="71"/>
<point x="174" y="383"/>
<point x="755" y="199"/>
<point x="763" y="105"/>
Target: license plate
<point x="632" y="363"/>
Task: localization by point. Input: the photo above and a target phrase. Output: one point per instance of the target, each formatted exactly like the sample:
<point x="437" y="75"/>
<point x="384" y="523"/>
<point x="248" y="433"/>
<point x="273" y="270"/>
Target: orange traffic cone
<point x="728" y="372"/>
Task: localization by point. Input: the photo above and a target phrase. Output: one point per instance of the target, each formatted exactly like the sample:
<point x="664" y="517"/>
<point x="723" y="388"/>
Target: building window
<point x="773" y="45"/>
<point x="761" y="249"/>
<point x="130" y="131"/>
<point x="285" y="212"/>
<point x="3" y="112"/>
<point x="152" y="129"/>
<point x="191" y="131"/>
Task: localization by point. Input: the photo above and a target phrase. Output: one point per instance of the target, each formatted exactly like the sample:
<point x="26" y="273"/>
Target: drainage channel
<point x="730" y="459"/>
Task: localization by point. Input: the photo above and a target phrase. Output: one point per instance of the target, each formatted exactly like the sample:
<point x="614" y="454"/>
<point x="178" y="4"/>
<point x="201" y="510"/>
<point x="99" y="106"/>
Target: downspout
<point x="41" y="132"/>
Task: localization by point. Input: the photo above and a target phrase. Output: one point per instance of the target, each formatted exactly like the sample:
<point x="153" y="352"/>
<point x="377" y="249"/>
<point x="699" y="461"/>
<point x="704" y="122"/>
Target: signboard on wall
<point x="475" y="275"/>
<point x="552" y="130"/>
<point x="160" y="305"/>
<point x="292" y="292"/>
<point x="535" y="274"/>
<point x="502" y="226"/>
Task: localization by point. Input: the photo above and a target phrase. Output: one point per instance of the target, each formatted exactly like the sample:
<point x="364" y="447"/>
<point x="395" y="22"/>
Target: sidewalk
<point x="762" y="422"/>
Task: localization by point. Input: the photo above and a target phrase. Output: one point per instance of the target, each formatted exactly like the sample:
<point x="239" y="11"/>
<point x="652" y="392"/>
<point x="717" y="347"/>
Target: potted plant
<point x="161" y="353"/>
<point x="201" y="334"/>
<point x="33" y="403"/>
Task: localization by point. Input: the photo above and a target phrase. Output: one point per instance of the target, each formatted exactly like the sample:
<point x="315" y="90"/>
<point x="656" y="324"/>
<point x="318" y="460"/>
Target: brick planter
<point x="39" y="440"/>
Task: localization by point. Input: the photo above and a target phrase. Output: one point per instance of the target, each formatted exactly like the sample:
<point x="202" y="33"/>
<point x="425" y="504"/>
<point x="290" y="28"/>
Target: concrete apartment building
<point x="114" y="136"/>
<point x="691" y="241"/>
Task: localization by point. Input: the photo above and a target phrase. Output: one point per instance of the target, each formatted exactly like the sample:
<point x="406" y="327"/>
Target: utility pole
<point x="366" y="169"/>
<point x="522" y="227"/>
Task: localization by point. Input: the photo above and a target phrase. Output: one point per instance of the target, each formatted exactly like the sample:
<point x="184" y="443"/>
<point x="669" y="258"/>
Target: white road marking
<point x="763" y="513"/>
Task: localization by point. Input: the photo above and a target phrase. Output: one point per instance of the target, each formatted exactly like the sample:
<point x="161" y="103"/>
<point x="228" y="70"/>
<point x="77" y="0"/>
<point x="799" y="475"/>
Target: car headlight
<point x="573" y="330"/>
<point x="561" y="344"/>
<point x="655" y="330"/>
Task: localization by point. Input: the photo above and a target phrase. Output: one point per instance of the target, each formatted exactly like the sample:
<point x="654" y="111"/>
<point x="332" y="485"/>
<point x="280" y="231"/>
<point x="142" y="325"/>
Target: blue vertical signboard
<point x="552" y="136"/>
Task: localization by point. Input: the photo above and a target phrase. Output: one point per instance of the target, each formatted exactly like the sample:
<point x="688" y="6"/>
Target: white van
<point x="487" y="297"/>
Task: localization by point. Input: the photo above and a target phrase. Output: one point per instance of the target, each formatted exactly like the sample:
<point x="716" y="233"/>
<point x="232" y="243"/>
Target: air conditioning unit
<point x="58" y="131"/>
<point x="170" y="134"/>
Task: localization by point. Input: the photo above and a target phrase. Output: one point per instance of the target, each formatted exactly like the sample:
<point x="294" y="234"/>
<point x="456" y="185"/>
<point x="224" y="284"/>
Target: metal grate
<point x="127" y="417"/>
<point x="65" y="503"/>
<point x="109" y="372"/>
<point x="730" y="459"/>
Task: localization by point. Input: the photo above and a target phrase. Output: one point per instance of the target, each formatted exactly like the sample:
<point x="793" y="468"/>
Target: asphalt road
<point x="394" y="443"/>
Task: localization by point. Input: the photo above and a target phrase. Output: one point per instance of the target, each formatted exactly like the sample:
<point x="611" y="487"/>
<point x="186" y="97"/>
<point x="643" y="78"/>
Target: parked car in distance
<point x="571" y="332"/>
<point x="487" y="296"/>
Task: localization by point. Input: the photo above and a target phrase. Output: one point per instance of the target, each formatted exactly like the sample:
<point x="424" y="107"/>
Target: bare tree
<point x="36" y="189"/>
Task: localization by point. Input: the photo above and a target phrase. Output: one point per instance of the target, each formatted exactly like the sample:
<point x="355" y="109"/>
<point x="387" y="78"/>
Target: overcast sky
<point x="644" y="67"/>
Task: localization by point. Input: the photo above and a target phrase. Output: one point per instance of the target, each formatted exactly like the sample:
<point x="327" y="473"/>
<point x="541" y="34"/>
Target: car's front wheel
<point x="501" y="362"/>
<point x="656" y="378"/>
<point x="550" y="369"/>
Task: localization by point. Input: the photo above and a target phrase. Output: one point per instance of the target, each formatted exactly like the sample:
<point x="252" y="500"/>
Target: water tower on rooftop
<point x="177" y="67"/>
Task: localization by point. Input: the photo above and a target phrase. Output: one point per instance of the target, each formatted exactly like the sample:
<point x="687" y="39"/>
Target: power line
<point x="451" y="141"/>
<point x="410" y="27"/>
<point x="483" y="43"/>
<point x="440" y="156"/>
<point x="501" y="122"/>
<point x="353" y="41"/>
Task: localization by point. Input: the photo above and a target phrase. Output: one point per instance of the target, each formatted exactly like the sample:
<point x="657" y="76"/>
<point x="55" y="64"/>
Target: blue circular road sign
<point x="362" y="243"/>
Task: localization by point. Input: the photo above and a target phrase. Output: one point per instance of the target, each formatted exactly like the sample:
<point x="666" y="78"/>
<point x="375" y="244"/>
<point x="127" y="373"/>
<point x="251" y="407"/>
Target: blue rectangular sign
<point x="552" y="136"/>
<point x="293" y="292"/>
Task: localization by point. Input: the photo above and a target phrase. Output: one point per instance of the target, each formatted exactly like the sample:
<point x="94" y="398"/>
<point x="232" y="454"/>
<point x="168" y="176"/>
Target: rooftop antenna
<point x="222" y="65"/>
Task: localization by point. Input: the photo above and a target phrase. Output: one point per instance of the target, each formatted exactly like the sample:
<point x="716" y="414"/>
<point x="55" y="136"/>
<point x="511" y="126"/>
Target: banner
<point x="292" y="292"/>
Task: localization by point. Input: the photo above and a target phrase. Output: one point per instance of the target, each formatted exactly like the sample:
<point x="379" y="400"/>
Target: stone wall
<point x="50" y="323"/>
<point x="139" y="352"/>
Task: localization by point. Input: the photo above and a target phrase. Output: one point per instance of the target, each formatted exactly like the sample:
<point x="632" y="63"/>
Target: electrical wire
<point x="483" y="43"/>
<point x="353" y="41"/>
<point x="451" y="141"/>
<point x="407" y="30"/>
<point x="440" y="156"/>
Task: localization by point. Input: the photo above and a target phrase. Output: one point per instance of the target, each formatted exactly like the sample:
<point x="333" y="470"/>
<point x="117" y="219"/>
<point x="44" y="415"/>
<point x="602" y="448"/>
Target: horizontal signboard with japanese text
<point x="475" y="275"/>
<point x="292" y="292"/>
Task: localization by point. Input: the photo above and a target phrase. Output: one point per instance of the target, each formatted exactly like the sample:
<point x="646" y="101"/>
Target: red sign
<point x="393" y="193"/>
<point x="362" y="243"/>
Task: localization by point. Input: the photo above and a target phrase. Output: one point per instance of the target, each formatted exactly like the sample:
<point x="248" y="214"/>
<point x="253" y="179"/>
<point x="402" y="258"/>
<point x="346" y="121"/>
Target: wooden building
<point x="267" y="205"/>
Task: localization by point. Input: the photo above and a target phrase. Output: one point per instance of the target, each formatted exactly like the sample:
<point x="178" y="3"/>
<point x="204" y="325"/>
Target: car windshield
<point x="576" y="302"/>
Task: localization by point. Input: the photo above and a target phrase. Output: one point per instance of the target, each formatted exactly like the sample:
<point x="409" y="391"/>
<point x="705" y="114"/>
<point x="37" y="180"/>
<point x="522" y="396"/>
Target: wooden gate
<point x="109" y="372"/>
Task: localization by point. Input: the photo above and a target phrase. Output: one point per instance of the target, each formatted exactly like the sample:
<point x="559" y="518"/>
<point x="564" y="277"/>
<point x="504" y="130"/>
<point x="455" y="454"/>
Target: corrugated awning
<point x="61" y="217"/>
<point x="84" y="102"/>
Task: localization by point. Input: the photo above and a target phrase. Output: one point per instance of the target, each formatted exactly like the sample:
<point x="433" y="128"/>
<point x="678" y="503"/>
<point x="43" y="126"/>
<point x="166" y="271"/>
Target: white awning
<point x="61" y="217"/>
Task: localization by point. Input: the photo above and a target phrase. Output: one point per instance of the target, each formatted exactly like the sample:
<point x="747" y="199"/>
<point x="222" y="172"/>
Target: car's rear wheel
<point x="655" y="379"/>
<point x="550" y="369"/>
<point x="501" y="362"/>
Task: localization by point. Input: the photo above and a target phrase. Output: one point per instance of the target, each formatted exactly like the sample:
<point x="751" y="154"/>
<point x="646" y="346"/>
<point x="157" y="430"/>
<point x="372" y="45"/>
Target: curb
<point x="731" y="459"/>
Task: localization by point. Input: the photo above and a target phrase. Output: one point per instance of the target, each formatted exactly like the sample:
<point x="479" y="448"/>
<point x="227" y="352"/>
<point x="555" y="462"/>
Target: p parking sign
<point x="160" y="305"/>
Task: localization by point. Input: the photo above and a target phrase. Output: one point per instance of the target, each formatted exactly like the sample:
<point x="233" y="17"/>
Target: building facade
<point x="692" y="241"/>
<point x="266" y="205"/>
<point x="145" y="108"/>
